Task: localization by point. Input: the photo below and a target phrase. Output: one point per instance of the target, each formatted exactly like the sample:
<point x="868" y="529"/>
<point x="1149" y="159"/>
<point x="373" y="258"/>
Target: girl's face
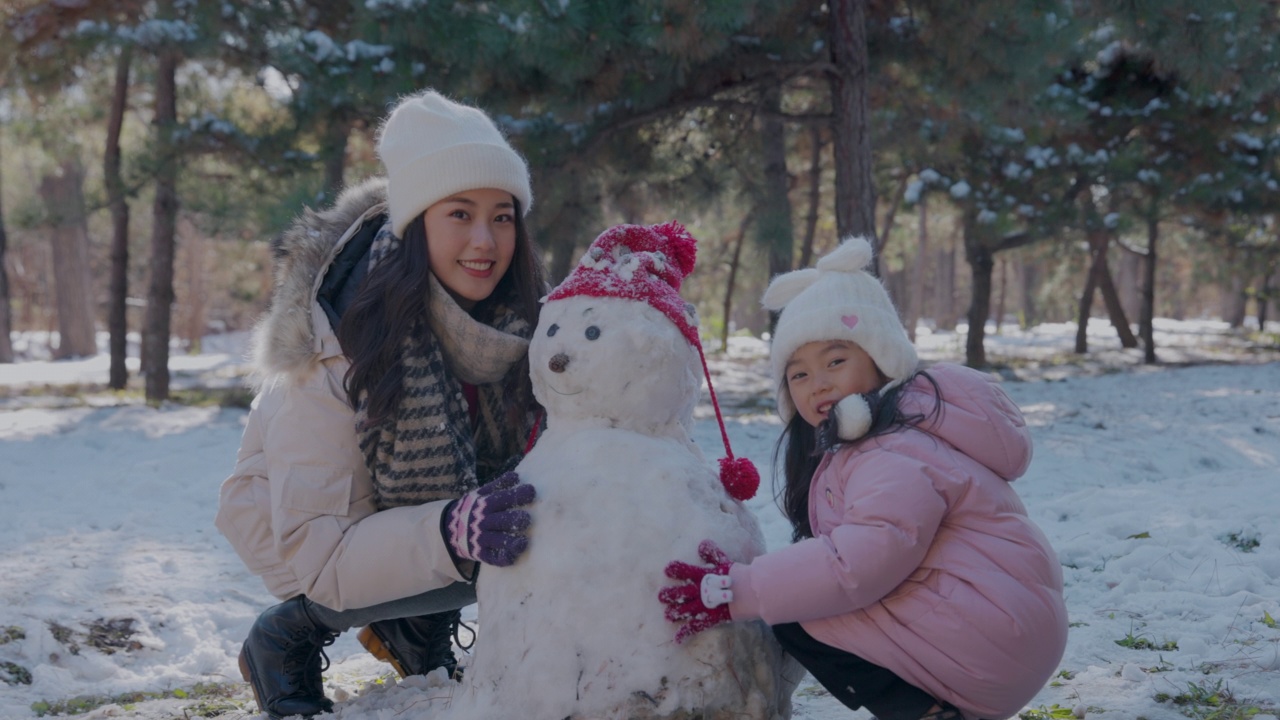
<point x="471" y="238"/>
<point x="822" y="373"/>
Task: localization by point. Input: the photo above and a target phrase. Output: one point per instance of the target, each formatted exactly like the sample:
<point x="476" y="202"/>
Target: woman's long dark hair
<point x="394" y="296"/>
<point x="801" y="446"/>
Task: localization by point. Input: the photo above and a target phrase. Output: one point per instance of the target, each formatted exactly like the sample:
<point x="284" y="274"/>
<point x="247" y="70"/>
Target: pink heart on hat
<point x="850" y="321"/>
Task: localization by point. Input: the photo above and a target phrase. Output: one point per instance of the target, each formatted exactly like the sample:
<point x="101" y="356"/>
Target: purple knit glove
<point x="483" y="524"/>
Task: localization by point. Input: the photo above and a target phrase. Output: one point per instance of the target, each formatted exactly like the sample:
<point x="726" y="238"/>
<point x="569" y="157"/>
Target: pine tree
<point x="1168" y="124"/>
<point x="954" y="85"/>
<point x="855" y="203"/>
<point x="576" y="78"/>
<point x="47" y="45"/>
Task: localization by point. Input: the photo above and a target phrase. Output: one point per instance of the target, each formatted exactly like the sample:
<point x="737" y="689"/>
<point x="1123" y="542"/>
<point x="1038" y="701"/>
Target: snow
<point x="1156" y="485"/>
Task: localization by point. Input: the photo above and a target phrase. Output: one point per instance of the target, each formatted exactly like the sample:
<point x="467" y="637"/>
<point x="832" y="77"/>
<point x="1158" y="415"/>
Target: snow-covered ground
<point x="1159" y="488"/>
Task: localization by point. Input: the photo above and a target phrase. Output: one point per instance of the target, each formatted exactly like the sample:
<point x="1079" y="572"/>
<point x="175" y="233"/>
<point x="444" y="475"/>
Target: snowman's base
<point x="735" y="671"/>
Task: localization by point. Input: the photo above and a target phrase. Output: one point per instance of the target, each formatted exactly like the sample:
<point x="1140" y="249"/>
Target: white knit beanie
<point x="433" y="147"/>
<point x="838" y="300"/>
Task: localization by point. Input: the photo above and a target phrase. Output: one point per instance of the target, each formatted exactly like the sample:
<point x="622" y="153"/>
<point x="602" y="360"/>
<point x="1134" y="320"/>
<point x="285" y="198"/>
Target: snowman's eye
<point x="551" y="331"/>
<point x="593" y="332"/>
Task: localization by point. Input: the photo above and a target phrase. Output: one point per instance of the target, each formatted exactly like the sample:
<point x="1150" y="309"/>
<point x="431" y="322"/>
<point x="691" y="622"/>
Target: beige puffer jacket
<point x="299" y="506"/>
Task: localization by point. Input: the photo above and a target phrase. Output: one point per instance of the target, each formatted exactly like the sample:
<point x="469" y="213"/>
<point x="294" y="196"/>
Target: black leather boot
<point x="415" y="645"/>
<point x="283" y="659"/>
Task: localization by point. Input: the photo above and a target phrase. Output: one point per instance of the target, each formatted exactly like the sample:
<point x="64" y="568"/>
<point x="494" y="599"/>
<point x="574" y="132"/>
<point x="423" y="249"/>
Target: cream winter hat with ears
<point x="433" y="147"/>
<point x="838" y="300"/>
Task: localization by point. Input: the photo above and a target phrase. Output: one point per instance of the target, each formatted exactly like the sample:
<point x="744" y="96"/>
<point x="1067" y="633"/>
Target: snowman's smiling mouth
<point x="566" y="394"/>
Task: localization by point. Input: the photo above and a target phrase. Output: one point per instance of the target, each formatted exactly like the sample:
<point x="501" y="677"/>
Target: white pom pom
<point x="786" y="287"/>
<point x="854" y="254"/>
<point x="853" y="416"/>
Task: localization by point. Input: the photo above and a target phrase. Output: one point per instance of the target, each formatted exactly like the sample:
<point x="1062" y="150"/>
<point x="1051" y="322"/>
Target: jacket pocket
<point x="244" y="518"/>
<point x="916" y="597"/>
<point x="317" y="489"/>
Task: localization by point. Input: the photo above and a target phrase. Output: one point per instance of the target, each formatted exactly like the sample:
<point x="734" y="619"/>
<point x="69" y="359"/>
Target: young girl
<point x="916" y="586"/>
<point x="394" y="386"/>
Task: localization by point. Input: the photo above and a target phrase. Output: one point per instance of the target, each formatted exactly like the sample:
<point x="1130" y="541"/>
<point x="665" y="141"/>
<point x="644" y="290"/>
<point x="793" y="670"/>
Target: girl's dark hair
<point x="797" y="449"/>
<point x="394" y="296"/>
<point x="801" y="447"/>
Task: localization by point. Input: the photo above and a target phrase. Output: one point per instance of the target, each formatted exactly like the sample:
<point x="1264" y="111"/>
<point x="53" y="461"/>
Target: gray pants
<point x="449" y="597"/>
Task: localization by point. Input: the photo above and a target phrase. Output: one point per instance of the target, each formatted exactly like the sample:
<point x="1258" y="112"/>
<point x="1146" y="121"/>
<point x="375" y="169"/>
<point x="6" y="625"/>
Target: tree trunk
<point x="562" y="217"/>
<point x="815" y="196"/>
<point x="117" y="317"/>
<point x="891" y="214"/>
<point x="774" y="230"/>
<point x="6" y="314"/>
<point x="197" y="290"/>
<point x="1146" y="318"/>
<point x="1004" y="288"/>
<point x="733" y="277"/>
<point x="1086" y="303"/>
<point x="1129" y="281"/>
<point x="1030" y="282"/>
<point x="1272" y="306"/>
<point x="897" y="290"/>
<point x="333" y="151"/>
<point x="854" y="193"/>
<point x="981" y="264"/>
<point x="897" y="283"/>
<point x="946" y="305"/>
<point x="915" y="304"/>
<point x="29" y="288"/>
<point x="1262" y="298"/>
<point x="155" y="337"/>
<point x="1233" y="298"/>
<point x="1110" y="297"/>
<point x="63" y="194"/>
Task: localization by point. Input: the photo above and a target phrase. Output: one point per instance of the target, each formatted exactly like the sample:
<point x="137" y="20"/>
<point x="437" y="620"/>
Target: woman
<point x="393" y="386"/>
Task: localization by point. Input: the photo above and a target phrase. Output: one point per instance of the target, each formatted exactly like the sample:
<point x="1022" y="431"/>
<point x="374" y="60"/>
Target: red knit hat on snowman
<point x="648" y="263"/>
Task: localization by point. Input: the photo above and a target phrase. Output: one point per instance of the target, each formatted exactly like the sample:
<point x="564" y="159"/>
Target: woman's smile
<point x="477" y="268"/>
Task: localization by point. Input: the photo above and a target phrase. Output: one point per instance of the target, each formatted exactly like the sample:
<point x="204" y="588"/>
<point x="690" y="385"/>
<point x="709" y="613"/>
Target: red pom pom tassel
<point x="739" y="477"/>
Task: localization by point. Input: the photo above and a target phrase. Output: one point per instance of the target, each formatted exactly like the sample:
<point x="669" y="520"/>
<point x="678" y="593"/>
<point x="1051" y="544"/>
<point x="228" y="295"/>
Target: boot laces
<point x="444" y="634"/>
<point x="326" y="639"/>
<point x="306" y="645"/>
<point x="458" y="625"/>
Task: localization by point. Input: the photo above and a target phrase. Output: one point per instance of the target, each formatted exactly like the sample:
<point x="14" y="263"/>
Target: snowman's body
<point x="575" y="629"/>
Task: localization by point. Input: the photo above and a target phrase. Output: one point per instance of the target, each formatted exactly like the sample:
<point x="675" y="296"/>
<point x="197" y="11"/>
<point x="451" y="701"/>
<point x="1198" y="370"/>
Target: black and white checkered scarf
<point x="428" y="450"/>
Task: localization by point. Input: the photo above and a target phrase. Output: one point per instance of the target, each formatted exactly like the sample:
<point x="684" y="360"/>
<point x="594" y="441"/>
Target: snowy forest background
<point x="1019" y="161"/>
<point x="1024" y="166"/>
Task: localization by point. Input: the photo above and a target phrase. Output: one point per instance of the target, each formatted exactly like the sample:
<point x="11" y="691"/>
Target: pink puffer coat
<point x="924" y="560"/>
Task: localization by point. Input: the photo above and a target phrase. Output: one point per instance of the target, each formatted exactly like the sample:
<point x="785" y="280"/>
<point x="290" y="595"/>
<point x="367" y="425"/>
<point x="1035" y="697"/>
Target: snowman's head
<point x="615" y="342"/>
<point x="617" y="345"/>
<point x="613" y="361"/>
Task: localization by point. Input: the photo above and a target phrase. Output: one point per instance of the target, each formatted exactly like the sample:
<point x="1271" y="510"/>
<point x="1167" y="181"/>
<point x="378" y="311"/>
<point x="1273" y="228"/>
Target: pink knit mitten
<point x="701" y="599"/>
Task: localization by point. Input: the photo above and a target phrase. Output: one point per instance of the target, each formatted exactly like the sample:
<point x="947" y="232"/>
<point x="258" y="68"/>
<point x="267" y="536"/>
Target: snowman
<point x="575" y="629"/>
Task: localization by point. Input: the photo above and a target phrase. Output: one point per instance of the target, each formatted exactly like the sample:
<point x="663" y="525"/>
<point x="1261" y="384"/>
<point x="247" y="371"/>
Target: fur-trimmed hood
<point x="290" y="338"/>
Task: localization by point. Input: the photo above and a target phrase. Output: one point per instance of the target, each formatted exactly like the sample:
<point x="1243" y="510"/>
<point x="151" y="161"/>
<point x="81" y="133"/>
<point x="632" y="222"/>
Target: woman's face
<point x="821" y="374"/>
<point x="471" y="238"/>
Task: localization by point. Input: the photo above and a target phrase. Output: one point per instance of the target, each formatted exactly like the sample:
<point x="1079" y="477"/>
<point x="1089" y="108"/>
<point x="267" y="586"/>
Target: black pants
<point x="450" y="597"/>
<point x="853" y="681"/>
